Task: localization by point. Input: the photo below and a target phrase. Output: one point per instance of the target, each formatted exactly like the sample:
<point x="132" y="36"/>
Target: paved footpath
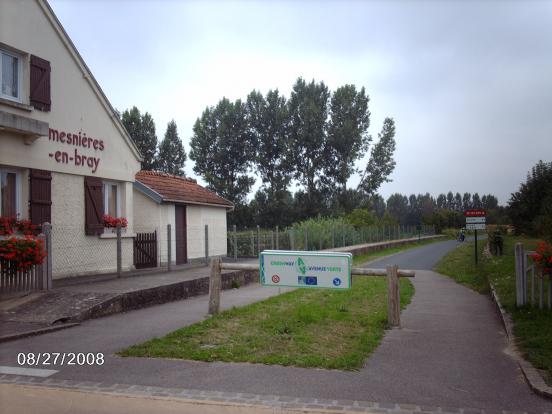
<point x="450" y="353"/>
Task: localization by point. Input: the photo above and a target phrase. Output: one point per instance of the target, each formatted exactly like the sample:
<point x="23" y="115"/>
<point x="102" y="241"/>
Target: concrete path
<point x="450" y="352"/>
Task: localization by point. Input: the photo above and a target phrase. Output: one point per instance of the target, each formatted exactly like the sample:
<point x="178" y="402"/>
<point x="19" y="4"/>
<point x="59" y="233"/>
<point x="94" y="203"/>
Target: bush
<point x="496" y="242"/>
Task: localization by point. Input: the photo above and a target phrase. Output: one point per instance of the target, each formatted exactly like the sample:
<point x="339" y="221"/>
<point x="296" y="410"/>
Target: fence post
<point x="320" y="239"/>
<point x="215" y="283"/>
<point x="343" y="235"/>
<point x="235" y="245"/>
<point x="206" y="245"/>
<point x="549" y="291"/>
<point x="520" y="269"/>
<point x="333" y="237"/>
<point x="291" y="239"/>
<point x="252" y="244"/>
<point x="169" y="248"/>
<point x="393" y="297"/>
<point x="119" y="251"/>
<point x="277" y="238"/>
<point x="305" y="247"/>
<point x="47" y="264"/>
<point x="272" y="239"/>
<point x="258" y="240"/>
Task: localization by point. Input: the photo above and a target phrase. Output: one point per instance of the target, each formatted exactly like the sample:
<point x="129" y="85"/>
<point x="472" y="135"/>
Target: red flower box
<point x="112" y="222"/>
<point x="22" y="252"/>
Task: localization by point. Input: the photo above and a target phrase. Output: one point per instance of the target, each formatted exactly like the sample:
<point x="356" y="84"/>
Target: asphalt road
<point x="450" y="352"/>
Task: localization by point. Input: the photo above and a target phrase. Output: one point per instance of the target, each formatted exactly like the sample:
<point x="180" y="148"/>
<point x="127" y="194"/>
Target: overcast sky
<point x="469" y="83"/>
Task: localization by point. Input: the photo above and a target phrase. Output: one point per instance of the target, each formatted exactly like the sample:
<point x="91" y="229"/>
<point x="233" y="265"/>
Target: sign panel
<point x="475" y="220"/>
<point x="475" y="213"/>
<point x="475" y="226"/>
<point x="305" y="269"/>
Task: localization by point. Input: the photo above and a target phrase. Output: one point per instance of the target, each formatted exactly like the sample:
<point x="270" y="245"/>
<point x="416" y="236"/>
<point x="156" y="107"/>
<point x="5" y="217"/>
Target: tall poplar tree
<point x="172" y="156"/>
<point x="141" y="129"/>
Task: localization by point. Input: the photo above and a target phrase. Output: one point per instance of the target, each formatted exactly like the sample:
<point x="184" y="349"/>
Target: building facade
<point x="65" y="157"/>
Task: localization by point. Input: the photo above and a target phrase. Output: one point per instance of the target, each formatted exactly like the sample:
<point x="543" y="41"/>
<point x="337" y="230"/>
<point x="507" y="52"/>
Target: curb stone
<point x="34" y="332"/>
<point x="530" y="373"/>
<point x="203" y="397"/>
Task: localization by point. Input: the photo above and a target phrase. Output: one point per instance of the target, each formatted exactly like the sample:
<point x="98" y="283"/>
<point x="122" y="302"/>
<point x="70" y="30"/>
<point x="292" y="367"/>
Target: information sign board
<point x="471" y="220"/>
<point x="475" y="226"/>
<point x="475" y="213"/>
<point x="305" y="269"/>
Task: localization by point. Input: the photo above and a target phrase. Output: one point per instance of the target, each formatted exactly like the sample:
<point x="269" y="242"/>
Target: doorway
<point x="180" y="234"/>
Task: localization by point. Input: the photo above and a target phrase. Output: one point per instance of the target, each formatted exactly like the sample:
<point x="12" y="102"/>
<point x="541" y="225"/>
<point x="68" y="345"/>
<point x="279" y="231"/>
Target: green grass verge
<point x="306" y="328"/>
<point x="532" y="327"/>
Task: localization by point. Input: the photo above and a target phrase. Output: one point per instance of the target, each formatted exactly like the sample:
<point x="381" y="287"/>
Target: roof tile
<point x="180" y="189"/>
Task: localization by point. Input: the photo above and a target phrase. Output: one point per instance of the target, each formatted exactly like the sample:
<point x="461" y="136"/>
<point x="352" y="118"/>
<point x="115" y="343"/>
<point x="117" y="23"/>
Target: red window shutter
<point x="40" y="197"/>
<point x="93" y="205"/>
<point x="40" y="84"/>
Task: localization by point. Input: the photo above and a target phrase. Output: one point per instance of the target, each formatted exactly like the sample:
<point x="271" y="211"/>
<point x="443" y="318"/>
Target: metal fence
<point x="38" y="277"/>
<point x="532" y="285"/>
<point x="249" y="242"/>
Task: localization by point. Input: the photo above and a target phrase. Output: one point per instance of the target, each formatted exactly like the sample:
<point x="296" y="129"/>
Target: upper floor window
<point x="10" y="76"/>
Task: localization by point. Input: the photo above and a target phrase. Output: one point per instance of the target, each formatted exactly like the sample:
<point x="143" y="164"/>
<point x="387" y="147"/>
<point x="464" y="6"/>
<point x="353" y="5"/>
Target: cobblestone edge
<point x="530" y="373"/>
<point x="231" y="398"/>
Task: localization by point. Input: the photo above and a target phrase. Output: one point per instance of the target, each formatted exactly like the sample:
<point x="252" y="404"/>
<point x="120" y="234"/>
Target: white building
<point x="65" y="157"/>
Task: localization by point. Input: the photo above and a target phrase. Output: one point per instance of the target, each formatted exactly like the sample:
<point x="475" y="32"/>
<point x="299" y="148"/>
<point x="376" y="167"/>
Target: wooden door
<point x="180" y="230"/>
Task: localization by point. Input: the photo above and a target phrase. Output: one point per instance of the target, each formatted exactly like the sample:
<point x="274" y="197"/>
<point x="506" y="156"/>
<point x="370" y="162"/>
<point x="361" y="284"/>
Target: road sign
<point x="475" y="213"/>
<point x="475" y="226"/>
<point x="305" y="269"/>
<point x="471" y="220"/>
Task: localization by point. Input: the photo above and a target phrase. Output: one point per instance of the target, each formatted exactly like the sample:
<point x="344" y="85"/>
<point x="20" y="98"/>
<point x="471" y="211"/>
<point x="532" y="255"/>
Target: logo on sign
<point x="301" y="266"/>
<point x="276" y="279"/>
<point x="307" y="280"/>
<point x="336" y="281"/>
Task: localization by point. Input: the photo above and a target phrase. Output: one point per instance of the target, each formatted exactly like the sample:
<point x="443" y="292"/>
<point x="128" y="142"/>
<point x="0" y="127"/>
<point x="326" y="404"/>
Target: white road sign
<point x="475" y="226"/>
<point x="305" y="269"/>
<point x="471" y="220"/>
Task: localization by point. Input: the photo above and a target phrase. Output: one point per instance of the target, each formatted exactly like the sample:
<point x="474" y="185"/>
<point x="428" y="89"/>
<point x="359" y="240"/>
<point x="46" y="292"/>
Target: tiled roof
<point x="177" y="189"/>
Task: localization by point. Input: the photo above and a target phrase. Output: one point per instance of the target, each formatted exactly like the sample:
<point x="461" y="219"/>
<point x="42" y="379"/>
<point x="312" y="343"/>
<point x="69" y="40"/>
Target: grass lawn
<point x="305" y="328"/>
<point x="532" y="327"/>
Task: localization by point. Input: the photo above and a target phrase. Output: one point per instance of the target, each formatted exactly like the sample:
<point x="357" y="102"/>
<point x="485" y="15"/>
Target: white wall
<point x="150" y="216"/>
<point x="73" y="252"/>
<point x="197" y="217"/>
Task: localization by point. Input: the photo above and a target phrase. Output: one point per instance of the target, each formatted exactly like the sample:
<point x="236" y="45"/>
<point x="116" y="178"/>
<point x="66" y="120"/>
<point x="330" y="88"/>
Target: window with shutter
<point x="93" y="205"/>
<point x="40" y="197"/>
<point x="40" y="84"/>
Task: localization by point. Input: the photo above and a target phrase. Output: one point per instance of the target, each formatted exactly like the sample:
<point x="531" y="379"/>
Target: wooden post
<point x="169" y="248"/>
<point x="206" y="245"/>
<point x="549" y="291"/>
<point x="393" y="297"/>
<point x="258" y="240"/>
<point x="235" y="244"/>
<point x="119" y="251"/>
<point x="277" y="238"/>
<point x="215" y="283"/>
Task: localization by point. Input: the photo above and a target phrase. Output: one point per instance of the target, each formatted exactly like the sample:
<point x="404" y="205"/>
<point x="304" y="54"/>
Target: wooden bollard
<point x="393" y="297"/>
<point x="215" y="283"/>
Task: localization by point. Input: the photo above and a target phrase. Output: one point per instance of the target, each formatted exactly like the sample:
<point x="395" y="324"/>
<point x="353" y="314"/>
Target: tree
<point x="397" y="205"/>
<point x="308" y="107"/>
<point x="348" y="137"/>
<point x="361" y="217"/>
<point x="442" y="201"/>
<point x="530" y="207"/>
<point x="171" y="152"/>
<point x="381" y="163"/>
<point x="476" y="201"/>
<point x="466" y="201"/>
<point x="222" y="148"/>
<point x="141" y="129"/>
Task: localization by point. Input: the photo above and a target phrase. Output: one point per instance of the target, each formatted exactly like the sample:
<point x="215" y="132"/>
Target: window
<point x="112" y="199"/>
<point x="10" y="183"/>
<point x="10" y="76"/>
